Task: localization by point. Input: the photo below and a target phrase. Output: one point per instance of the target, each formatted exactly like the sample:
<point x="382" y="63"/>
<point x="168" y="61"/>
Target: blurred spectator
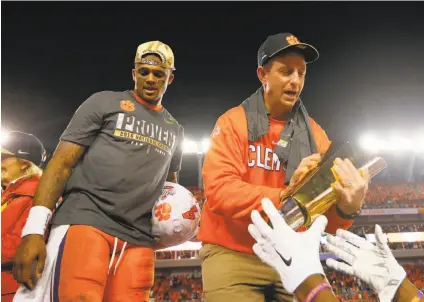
<point x="21" y="156"/>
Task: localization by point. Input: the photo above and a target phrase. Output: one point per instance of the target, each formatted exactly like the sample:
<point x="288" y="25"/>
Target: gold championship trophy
<point x="314" y="195"/>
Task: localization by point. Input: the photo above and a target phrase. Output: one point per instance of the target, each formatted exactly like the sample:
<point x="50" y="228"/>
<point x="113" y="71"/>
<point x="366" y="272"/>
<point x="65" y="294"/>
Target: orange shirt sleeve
<point x="336" y="222"/>
<point x="323" y="143"/>
<point x="223" y="169"/>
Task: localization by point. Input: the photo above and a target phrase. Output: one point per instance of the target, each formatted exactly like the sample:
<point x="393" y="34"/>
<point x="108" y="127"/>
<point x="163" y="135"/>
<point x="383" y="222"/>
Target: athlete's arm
<point x="407" y="292"/>
<point x="223" y="170"/>
<point x="177" y="158"/>
<point x="57" y="173"/>
<point x="309" y="284"/>
<point x="81" y="132"/>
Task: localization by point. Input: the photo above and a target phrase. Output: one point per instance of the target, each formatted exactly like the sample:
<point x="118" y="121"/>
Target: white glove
<point x="295" y="256"/>
<point x="374" y="264"/>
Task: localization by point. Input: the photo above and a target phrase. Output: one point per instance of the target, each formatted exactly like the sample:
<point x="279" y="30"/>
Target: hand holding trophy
<point x="313" y="191"/>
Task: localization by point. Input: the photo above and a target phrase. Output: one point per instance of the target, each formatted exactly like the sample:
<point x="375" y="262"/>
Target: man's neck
<point x="275" y="109"/>
<point x="153" y="103"/>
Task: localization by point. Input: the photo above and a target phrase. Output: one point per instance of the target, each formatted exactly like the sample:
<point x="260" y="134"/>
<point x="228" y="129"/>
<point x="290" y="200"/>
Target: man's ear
<point x="133" y="74"/>
<point x="262" y="75"/>
<point x="171" y="78"/>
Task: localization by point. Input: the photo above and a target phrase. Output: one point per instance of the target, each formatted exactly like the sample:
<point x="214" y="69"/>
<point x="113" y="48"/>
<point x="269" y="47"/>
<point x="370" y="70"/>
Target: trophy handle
<point x="374" y="166"/>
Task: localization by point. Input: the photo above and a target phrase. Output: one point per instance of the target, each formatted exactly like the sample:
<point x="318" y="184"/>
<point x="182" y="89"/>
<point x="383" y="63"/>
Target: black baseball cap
<point x="25" y="146"/>
<point x="277" y="43"/>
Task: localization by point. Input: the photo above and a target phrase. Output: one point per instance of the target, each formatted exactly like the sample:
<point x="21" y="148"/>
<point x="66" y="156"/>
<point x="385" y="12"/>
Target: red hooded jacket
<point x="16" y="201"/>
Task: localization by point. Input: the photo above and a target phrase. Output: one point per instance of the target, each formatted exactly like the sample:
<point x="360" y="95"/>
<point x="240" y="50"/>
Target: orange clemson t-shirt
<point x="238" y="174"/>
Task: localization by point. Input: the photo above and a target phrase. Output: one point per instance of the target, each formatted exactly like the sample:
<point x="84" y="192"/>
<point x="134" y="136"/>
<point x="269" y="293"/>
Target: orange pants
<point x="82" y="270"/>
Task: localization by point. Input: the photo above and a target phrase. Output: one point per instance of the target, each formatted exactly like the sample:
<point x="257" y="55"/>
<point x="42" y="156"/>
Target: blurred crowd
<point x="388" y="228"/>
<point x="187" y="286"/>
<point x="349" y="288"/>
<point x="177" y="286"/>
<point x="395" y="195"/>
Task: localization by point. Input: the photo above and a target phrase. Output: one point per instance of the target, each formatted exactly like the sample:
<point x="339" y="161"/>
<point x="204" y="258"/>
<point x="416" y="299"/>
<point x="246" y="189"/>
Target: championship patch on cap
<point x="157" y="48"/>
<point x="292" y="40"/>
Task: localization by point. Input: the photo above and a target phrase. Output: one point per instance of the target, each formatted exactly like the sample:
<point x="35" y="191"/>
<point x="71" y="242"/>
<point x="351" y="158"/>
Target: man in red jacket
<point x="20" y="174"/>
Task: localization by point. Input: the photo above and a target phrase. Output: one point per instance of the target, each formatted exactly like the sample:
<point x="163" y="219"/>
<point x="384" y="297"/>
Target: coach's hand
<point x="306" y="165"/>
<point x="352" y="186"/>
<point x="28" y="263"/>
<point x="295" y="256"/>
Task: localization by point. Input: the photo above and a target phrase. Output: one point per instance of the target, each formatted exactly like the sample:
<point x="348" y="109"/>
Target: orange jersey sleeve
<point x="323" y="143"/>
<point x="225" y="165"/>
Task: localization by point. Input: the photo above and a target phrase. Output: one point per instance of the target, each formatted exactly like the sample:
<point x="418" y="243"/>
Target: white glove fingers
<point x="342" y="244"/>
<point x="254" y="232"/>
<point x="339" y="252"/>
<point x="339" y="266"/>
<point x="318" y="227"/>
<point x="264" y="256"/>
<point x="352" y="238"/>
<point x="381" y="239"/>
<point x="275" y="217"/>
<point x="264" y="229"/>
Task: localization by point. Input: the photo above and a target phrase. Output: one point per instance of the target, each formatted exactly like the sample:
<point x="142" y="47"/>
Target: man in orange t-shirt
<point x="257" y="150"/>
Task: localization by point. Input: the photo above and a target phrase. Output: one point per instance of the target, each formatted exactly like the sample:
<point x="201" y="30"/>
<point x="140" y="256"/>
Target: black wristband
<point x="347" y="216"/>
